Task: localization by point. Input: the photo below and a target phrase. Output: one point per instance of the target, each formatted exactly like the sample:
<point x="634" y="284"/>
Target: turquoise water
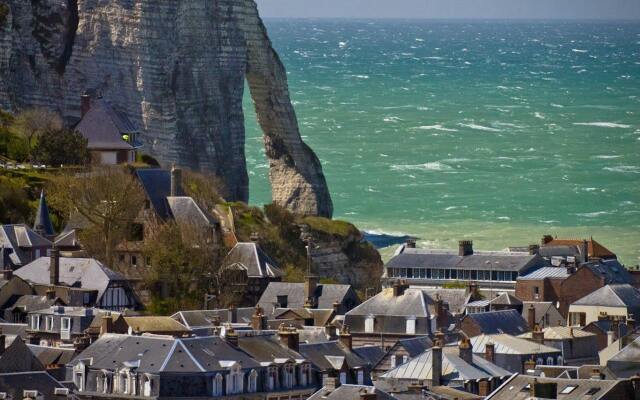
<point x="494" y="131"/>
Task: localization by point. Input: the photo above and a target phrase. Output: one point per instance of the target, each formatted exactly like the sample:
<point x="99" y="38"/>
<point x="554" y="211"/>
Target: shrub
<point x="61" y="146"/>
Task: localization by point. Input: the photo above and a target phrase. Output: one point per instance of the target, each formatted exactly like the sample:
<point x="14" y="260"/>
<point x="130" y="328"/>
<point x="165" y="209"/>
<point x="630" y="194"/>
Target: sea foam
<point x="480" y="127"/>
<point x="603" y="124"/>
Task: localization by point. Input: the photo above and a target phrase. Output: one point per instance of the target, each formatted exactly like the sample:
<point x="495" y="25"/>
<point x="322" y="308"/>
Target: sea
<point x="494" y="131"/>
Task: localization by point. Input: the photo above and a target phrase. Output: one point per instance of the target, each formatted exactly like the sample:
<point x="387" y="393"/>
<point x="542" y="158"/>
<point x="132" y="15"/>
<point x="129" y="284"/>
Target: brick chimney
<point x="546" y="239"/>
<point x="546" y="390"/>
<point x="106" y="324"/>
<point x="410" y="244"/>
<point x="529" y="365"/>
<point x="465" y="247"/>
<point x="258" y="319"/>
<point x="345" y="337"/>
<point x="399" y="288"/>
<point x="54" y="266"/>
<point x="531" y="317"/>
<point x="439" y="338"/>
<point x="232" y="314"/>
<point x="537" y="335"/>
<point x="441" y="315"/>
<point x="289" y="337"/>
<point x="330" y="382"/>
<point x="436" y="366"/>
<point x="231" y="336"/>
<point x="465" y="350"/>
<point x="596" y="374"/>
<point x="7" y="274"/>
<point x="176" y="181"/>
<point x="484" y="388"/>
<point x="330" y="332"/>
<point x="631" y="323"/>
<point x="85" y="104"/>
<point x="534" y="249"/>
<point x="490" y="352"/>
<point x="51" y="293"/>
<point x="310" y="287"/>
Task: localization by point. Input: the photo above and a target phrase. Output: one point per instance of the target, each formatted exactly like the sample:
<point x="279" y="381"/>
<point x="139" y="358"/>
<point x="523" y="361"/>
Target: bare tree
<point x="34" y="122"/>
<point x="106" y="200"/>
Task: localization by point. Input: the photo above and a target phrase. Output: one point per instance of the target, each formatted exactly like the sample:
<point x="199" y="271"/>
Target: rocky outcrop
<point x="177" y="68"/>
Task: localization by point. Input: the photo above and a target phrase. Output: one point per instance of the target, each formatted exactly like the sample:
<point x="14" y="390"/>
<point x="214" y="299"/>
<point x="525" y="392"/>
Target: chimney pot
<point x="345" y="337"/>
<point x="106" y="324"/>
<point x="85" y="104"/>
<point x="436" y="366"/>
<point x="531" y="317"/>
<point x="54" y="267"/>
<point x="51" y="293"/>
<point x="289" y="337"/>
<point x="7" y="274"/>
<point x="490" y="352"/>
<point x="465" y="247"/>
<point x="232" y="314"/>
<point x="176" y="181"/>
<point x="534" y="249"/>
<point x="411" y="244"/>
<point x="231" y="336"/>
<point x="466" y="350"/>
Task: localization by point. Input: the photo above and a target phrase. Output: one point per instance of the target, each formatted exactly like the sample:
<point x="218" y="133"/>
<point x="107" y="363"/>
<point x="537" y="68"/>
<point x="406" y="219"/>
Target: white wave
<point x="557" y="105"/>
<point x="342" y="45"/>
<point x="430" y="166"/>
<point x="607" y="157"/>
<point x="539" y="115"/>
<point x="504" y="218"/>
<point x="579" y="51"/>
<point x="625" y="169"/>
<point x="480" y="127"/>
<point x="603" y="124"/>
<point x="419" y="40"/>
<point x="436" y="127"/>
<point x="361" y="76"/>
<point x="594" y="214"/>
<point x="391" y="119"/>
<point x="509" y="125"/>
<point x="434" y="58"/>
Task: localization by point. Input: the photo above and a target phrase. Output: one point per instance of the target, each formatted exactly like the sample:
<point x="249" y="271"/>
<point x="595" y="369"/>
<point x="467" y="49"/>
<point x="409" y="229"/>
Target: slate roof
<point x="194" y="319"/>
<point x="416" y="346"/>
<point x="454" y="368"/>
<point x="13" y="331"/>
<point x="507" y="321"/>
<point x="326" y="295"/>
<point x="455" y="299"/>
<point x="156" y="354"/>
<point x="606" y="325"/>
<point x="623" y="295"/>
<point x="52" y="355"/>
<point x="30" y="302"/>
<point x="611" y="270"/>
<point x="156" y="184"/>
<point x="507" y="344"/>
<point x="517" y="388"/>
<point x="507" y="299"/>
<point x="325" y="356"/>
<point x="185" y="211"/>
<point x="86" y="273"/>
<point x="14" y="384"/>
<point x="267" y="349"/>
<point x="103" y="127"/>
<point x="67" y="238"/>
<point x="541" y="308"/>
<point x="18" y="358"/>
<point x="546" y="272"/>
<point x="250" y="257"/>
<point x="371" y="354"/>
<point x="350" y="392"/>
<point x="501" y="261"/>
<point x="413" y="302"/>
<point x="15" y="237"/>
<point x="626" y="362"/>
<point x="42" y="222"/>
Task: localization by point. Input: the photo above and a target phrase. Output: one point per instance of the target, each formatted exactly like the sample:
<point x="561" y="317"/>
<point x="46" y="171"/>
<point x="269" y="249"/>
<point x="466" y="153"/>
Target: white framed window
<point x="65" y="324"/>
<point x="35" y="322"/>
<point x="411" y="326"/>
<point x="549" y="360"/>
<point x="253" y="381"/>
<point x="146" y="386"/>
<point x="360" y="377"/>
<point x="48" y="322"/>
<point x="368" y="324"/>
<point x="217" y="385"/>
<point x="405" y="358"/>
<point x="343" y="378"/>
<point x="393" y="361"/>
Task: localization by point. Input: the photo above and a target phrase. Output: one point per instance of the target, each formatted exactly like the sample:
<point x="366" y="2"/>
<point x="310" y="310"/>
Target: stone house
<point x="396" y="313"/>
<point x="163" y="367"/>
<point x="492" y="269"/>
<point x="512" y="353"/>
<point x="577" y="347"/>
<point x="620" y="300"/>
<point x="507" y="321"/>
<point x="18" y="311"/>
<point x="452" y="365"/>
<point x="59" y="325"/>
<point x="111" y="137"/>
<point x="400" y="353"/>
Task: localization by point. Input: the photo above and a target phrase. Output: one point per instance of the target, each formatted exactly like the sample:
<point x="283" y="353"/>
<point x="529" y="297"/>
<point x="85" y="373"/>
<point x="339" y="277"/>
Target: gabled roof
<point x="610" y="270"/>
<point x="507" y="344"/>
<point x="324" y="356"/>
<point x="623" y="295"/>
<point x="594" y="249"/>
<point x="416" y="346"/>
<point x="455" y="299"/>
<point x="413" y="302"/>
<point x="18" y="358"/>
<point x="454" y="368"/>
<point x="371" y="354"/>
<point x="507" y="321"/>
<point x="67" y="238"/>
<point x="506" y="299"/>
<point x="606" y="325"/>
<point x="52" y="355"/>
<point x="32" y="302"/>
<point x="194" y="319"/>
<point x="155" y="324"/>
<point x="546" y="272"/>
<point x="541" y="308"/>
<point x="157" y="186"/>
<point x="560" y="333"/>
<point x="326" y="294"/>
<point x="103" y="127"/>
<point x="42" y="222"/>
<point x="185" y="211"/>
<point x="155" y="354"/>
<point x="406" y="257"/>
<point x="626" y="362"/>
<point x="14" y="240"/>
<point x="14" y="384"/>
<point x="86" y="273"/>
<point x="250" y="257"/>
<point x="267" y="348"/>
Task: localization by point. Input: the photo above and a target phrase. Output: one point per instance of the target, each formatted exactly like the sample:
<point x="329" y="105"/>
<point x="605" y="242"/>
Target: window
<point x="568" y="389"/>
<point x="283" y="301"/>
<point x="134" y="261"/>
<point x="454" y="274"/>
<point x="423" y="273"/>
<point x="253" y="381"/>
<point x="411" y="326"/>
<point x="409" y="272"/>
<point x="428" y="273"/>
<point x="559" y="360"/>
<point x="360" y="377"/>
<point x="273" y="374"/>
<point x="146" y="391"/>
<point x="405" y="358"/>
<point x="217" y="385"/>
<point x="368" y="324"/>
<point x="35" y="322"/>
<point x="539" y="361"/>
<point x="549" y="360"/>
<point x="48" y="323"/>
<point x="343" y="378"/>
<point x="393" y="361"/>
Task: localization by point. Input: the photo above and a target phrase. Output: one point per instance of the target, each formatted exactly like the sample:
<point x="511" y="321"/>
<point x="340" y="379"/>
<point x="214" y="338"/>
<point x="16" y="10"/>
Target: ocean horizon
<point x="492" y="130"/>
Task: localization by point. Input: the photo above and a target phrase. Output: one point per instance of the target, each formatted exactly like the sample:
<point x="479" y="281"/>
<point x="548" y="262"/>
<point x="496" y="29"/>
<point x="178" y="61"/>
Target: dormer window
<point x="35" y="322"/>
<point x="217" y="385"/>
<point x="368" y="324"/>
<point x="411" y="325"/>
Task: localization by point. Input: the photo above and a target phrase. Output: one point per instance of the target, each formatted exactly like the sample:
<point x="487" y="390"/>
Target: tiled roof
<point x="518" y="388"/>
<point x="323" y="355"/>
<point x="326" y="295"/>
<point x="186" y="211"/>
<point x="372" y="354"/>
<point x="194" y="319"/>
<point x="626" y="362"/>
<point x="14" y="384"/>
<point x="13" y="238"/>
<point x="507" y="321"/>
<point x="413" y="302"/>
<point x="594" y="249"/>
<point x="153" y="324"/>
<point x="251" y="258"/>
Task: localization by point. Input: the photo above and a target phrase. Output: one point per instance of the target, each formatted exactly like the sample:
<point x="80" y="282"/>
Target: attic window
<point x="526" y="388"/>
<point x="568" y="389"/>
<point x="593" y="390"/>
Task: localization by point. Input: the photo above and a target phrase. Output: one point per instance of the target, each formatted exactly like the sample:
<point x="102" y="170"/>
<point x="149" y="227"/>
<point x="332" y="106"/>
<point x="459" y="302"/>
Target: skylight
<point x="568" y="389"/>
